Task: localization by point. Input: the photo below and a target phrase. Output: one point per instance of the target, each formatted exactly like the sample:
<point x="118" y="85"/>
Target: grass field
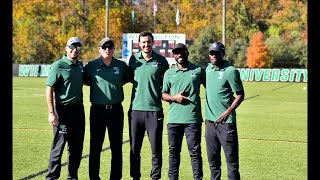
<point x="272" y="125"/>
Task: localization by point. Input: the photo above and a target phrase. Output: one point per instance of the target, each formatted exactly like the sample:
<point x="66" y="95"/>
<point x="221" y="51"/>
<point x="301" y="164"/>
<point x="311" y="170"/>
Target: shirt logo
<point x="220" y="75"/>
<point x="81" y="68"/>
<point x="193" y="73"/>
<point x="98" y="70"/>
<point x="155" y="63"/>
<point x="116" y="70"/>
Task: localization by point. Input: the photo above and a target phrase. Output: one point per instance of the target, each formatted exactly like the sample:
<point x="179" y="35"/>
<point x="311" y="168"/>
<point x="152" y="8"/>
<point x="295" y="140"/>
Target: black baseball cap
<point x="216" y="46"/>
<point x="179" y="46"/>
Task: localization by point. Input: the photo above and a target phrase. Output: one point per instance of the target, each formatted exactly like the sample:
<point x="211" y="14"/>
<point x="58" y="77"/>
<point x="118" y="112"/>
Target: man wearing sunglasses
<point x="65" y="110"/>
<point x="222" y="82"/>
<point x="106" y="75"/>
<point x="181" y="88"/>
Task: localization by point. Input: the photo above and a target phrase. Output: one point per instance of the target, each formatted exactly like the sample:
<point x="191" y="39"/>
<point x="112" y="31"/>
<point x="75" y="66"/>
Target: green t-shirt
<point x="189" y="80"/>
<point x="221" y="84"/>
<point x="106" y="81"/>
<point x="67" y="79"/>
<point x="147" y="83"/>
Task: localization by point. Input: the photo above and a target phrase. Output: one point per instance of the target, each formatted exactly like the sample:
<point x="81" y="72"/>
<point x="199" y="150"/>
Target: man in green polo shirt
<point x="146" y="112"/>
<point x="181" y="88"/>
<point x="66" y="112"/>
<point x="223" y="81"/>
<point x="106" y="75"/>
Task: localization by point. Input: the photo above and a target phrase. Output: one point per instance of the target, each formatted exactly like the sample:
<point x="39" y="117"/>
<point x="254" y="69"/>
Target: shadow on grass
<point x="64" y="164"/>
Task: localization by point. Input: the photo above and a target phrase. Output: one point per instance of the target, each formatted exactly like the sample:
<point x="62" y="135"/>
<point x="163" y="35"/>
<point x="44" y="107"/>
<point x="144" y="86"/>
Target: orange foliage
<point x="258" y="55"/>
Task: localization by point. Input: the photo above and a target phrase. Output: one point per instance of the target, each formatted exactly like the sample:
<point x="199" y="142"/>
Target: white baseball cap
<point x="73" y="40"/>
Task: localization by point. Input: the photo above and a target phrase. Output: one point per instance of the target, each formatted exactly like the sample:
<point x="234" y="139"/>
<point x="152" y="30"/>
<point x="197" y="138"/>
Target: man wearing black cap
<point x="146" y="112"/>
<point x="181" y="88"/>
<point x="66" y="112"/>
<point x="106" y="75"/>
<point x="223" y="81"/>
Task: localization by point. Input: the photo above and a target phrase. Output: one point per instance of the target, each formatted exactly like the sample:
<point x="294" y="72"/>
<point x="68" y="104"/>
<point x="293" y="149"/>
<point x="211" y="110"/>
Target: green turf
<point x="272" y="125"/>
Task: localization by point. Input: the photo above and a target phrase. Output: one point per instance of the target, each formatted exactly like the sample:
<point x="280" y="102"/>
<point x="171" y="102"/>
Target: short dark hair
<point x="144" y="34"/>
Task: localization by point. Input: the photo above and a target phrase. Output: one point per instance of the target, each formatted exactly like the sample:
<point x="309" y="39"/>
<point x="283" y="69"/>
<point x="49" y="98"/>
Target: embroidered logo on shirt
<point x="98" y="70"/>
<point x="193" y="73"/>
<point x="220" y="75"/>
<point x="116" y="70"/>
<point x="155" y="63"/>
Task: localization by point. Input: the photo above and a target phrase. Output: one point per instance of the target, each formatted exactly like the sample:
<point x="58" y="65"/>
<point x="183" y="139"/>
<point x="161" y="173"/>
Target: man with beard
<point x="66" y="111"/>
<point x="181" y="88"/>
<point x="146" y="112"/>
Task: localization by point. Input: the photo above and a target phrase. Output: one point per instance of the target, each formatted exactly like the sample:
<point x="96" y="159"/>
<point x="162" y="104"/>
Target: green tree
<point x="293" y="56"/>
<point x="42" y="27"/>
<point x="237" y="53"/>
<point x="199" y="50"/>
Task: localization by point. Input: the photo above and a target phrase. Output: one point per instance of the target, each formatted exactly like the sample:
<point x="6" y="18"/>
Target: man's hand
<point x="179" y="97"/>
<point x="53" y="119"/>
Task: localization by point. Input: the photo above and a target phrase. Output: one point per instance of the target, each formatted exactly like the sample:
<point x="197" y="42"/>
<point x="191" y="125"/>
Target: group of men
<point x="152" y="81"/>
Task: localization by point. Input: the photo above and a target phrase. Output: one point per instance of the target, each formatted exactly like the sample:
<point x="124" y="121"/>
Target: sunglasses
<point x="107" y="46"/>
<point x="181" y="52"/>
<point x="214" y="53"/>
<point x="72" y="47"/>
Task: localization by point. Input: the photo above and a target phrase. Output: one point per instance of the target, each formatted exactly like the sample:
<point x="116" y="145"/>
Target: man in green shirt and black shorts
<point x="106" y="76"/>
<point x="146" y="112"/>
<point x="222" y="82"/>
<point x="181" y="88"/>
<point x="66" y="112"/>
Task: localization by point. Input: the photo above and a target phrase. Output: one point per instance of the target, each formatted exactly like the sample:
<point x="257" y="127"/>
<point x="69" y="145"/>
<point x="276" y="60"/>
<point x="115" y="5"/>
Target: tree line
<point x="259" y="33"/>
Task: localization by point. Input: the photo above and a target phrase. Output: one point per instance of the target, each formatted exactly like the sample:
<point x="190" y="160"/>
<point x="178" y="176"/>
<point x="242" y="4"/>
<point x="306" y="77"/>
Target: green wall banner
<point x="280" y="75"/>
<point x="246" y="74"/>
<point x="34" y="70"/>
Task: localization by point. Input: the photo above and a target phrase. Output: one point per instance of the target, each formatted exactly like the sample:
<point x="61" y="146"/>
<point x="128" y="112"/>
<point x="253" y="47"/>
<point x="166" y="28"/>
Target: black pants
<point x="225" y="135"/>
<point x="100" y="119"/>
<point x="152" y="122"/>
<point x="71" y="129"/>
<point x="193" y="137"/>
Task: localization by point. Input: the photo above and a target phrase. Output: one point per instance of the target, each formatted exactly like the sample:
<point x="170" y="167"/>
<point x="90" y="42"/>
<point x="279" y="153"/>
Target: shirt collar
<point x="222" y="67"/>
<point x="176" y="68"/>
<point x="68" y="61"/>
<point x="101" y="63"/>
<point x="153" y="56"/>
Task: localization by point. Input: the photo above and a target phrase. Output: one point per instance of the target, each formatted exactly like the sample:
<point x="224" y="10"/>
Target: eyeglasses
<point x="110" y="47"/>
<point x="72" y="47"/>
<point x="216" y="53"/>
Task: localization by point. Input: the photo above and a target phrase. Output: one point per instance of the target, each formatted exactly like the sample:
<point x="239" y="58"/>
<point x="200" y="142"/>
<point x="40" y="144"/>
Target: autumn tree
<point x="290" y="15"/>
<point x="42" y="27"/>
<point x="258" y="55"/>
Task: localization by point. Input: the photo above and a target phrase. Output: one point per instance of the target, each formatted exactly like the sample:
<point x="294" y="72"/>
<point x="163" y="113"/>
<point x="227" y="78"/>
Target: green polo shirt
<point x="148" y="78"/>
<point x="67" y="79"/>
<point x="189" y="79"/>
<point x="221" y="84"/>
<point x="106" y="81"/>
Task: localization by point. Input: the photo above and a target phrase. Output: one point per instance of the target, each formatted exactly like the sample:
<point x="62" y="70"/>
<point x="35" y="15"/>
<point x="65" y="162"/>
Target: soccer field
<point x="272" y="127"/>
